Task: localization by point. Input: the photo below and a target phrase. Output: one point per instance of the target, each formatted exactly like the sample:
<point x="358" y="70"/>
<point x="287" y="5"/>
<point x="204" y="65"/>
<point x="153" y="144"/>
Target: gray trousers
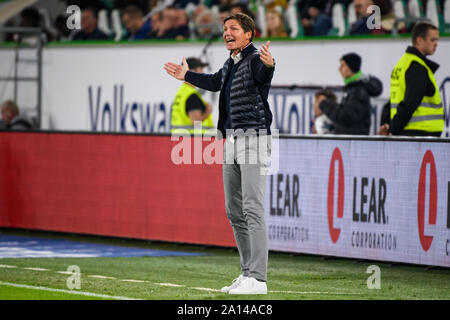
<point x="244" y="179"/>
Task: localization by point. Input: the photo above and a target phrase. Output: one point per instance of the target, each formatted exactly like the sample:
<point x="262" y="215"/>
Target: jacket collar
<point x="244" y="53"/>
<point x="431" y="64"/>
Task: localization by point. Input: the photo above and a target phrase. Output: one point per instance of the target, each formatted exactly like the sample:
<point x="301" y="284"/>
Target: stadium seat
<point x="351" y="14"/>
<point x="292" y="20"/>
<point x="415" y="8"/>
<point x="117" y="25"/>
<point x="399" y="9"/>
<point x="432" y="12"/>
<point x="402" y="19"/>
<point x="46" y="21"/>
<point x="261" y="18"/>
<point x="338" y="20"/>
<point x="189" y="9"/>
<point x="103" y="22"/>
<point x="446" y="16"/>
<point x="215" y="10"/>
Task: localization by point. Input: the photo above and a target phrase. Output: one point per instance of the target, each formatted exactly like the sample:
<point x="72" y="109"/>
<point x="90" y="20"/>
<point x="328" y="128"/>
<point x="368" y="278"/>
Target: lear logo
<point x="337" y="156"/>
<point x="428" y="160"/>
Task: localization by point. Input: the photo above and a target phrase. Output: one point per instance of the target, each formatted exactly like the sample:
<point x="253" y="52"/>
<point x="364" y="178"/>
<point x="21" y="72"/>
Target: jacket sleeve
<point x="261" y="73"/>
<point x="344" y="114"/>
<point x="416" y="85"/>
<point x="210" y="82"/>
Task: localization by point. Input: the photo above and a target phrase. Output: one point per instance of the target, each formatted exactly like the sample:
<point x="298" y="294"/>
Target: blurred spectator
<point x="156" y="22"/>
<point x="276" y="3"/>
<point x="205" y="24"/>
<point x="360" y="26"/>
<point x="97" y="5"/>
<point x="60" y="23"/>
<point x="165" y="23"/>
<point x="387" y="17"/>
<point x="224" y="11"/>
<point x="180" y="29"/>
<point x="328" y="8"/>
<point x="174" y="24"/>
<point x="313" y="17"/>
<point x="352" y="115"/>
<point x="275" y="24"/>
<point x="221" y="3"/>
<point x="243" y="8"/>
<point x="323" y="124"/>
<point x="133" y="20"/>
<point x="30" y="18"/>
<point x="144" y="5"/>
<point x="181" y="4"/>
<point x="12" y="120"/>
<point x="89" y="29"/>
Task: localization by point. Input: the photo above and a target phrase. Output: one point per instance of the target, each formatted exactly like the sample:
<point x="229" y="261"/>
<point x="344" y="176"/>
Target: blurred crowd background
<point x="120" y="20"/>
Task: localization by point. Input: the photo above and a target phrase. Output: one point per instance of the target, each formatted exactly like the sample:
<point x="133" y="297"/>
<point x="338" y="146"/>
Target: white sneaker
<point x="250" y="286"/>
<point x="236" y="282"/>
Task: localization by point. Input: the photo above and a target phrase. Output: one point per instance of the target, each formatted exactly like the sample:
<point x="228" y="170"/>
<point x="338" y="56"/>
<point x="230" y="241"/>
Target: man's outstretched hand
<point x="175" y="70"/>
<point x="266" y="56"/>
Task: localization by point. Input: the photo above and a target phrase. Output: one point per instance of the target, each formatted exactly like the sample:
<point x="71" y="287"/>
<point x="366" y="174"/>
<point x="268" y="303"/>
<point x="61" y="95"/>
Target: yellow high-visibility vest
<point x="429" y="115"/>
<point x="180" y="122"/>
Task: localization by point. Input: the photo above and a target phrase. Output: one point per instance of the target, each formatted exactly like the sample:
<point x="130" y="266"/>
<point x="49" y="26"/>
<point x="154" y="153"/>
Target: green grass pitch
<point x="290" y="277"/>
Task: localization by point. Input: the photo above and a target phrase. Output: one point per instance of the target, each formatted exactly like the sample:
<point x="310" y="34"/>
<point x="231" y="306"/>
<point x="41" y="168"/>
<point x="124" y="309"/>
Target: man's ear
<point x="248" y="35"/>
<point x="419" y="41"/>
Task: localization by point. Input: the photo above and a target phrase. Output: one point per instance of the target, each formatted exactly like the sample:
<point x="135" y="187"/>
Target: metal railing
<point x="27" y="38"/>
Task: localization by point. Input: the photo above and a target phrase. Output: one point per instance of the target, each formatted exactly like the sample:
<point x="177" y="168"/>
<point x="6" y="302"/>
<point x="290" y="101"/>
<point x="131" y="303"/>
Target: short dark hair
<point x="421" y="30"/>
<point x="31" y="17"/>
<point x="132" y="10"/>
<point x="328" y="94"/>
<point x="93" y="10"/>
<point x="12" y="105"/>
<point x="245" y="21"/>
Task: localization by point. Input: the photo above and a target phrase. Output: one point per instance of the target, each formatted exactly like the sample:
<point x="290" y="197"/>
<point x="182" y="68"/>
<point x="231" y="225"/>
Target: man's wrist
<point x="271" y="66"/>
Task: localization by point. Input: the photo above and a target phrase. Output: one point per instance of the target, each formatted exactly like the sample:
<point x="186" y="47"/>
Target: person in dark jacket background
<point x="244" y="83"/>
<point x="352" y="115"/>
<point x="89" y="26"/>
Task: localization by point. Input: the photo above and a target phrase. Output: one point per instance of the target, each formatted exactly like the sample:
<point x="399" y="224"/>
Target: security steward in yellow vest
<point x="415" y="104"/>
<point x="189" y="106"/>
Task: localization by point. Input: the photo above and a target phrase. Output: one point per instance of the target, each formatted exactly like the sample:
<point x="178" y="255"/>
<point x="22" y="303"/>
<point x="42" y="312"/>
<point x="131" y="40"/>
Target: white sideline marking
<point x="170" y="285"/>
<point x="65" y="272"/>
<point x="166" y="285"/>
<point x="310" y="292"/>
<point x="131" y="280"/>
<point x="206" y="289"/>
<point x="101" y="277"/>
<point x="7" y="266"/>
<point x="36" y="269"/>
<point x="83" y="293"/>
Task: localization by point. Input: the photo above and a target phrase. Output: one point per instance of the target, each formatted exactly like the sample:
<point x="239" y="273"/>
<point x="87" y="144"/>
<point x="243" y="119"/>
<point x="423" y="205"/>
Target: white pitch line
<point x="36" y="269"/>
<point x="101" y="277"/>
<point x="170" y="285"/>
<point x="176" y="285"/>
<point x="7" y="266"/>
<point x="206" y="289"/>
<point x="83" y="293"/>
<point x="65" y="272"/>
<point x="311" y="292"/>
<point x="131" y="280"/>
